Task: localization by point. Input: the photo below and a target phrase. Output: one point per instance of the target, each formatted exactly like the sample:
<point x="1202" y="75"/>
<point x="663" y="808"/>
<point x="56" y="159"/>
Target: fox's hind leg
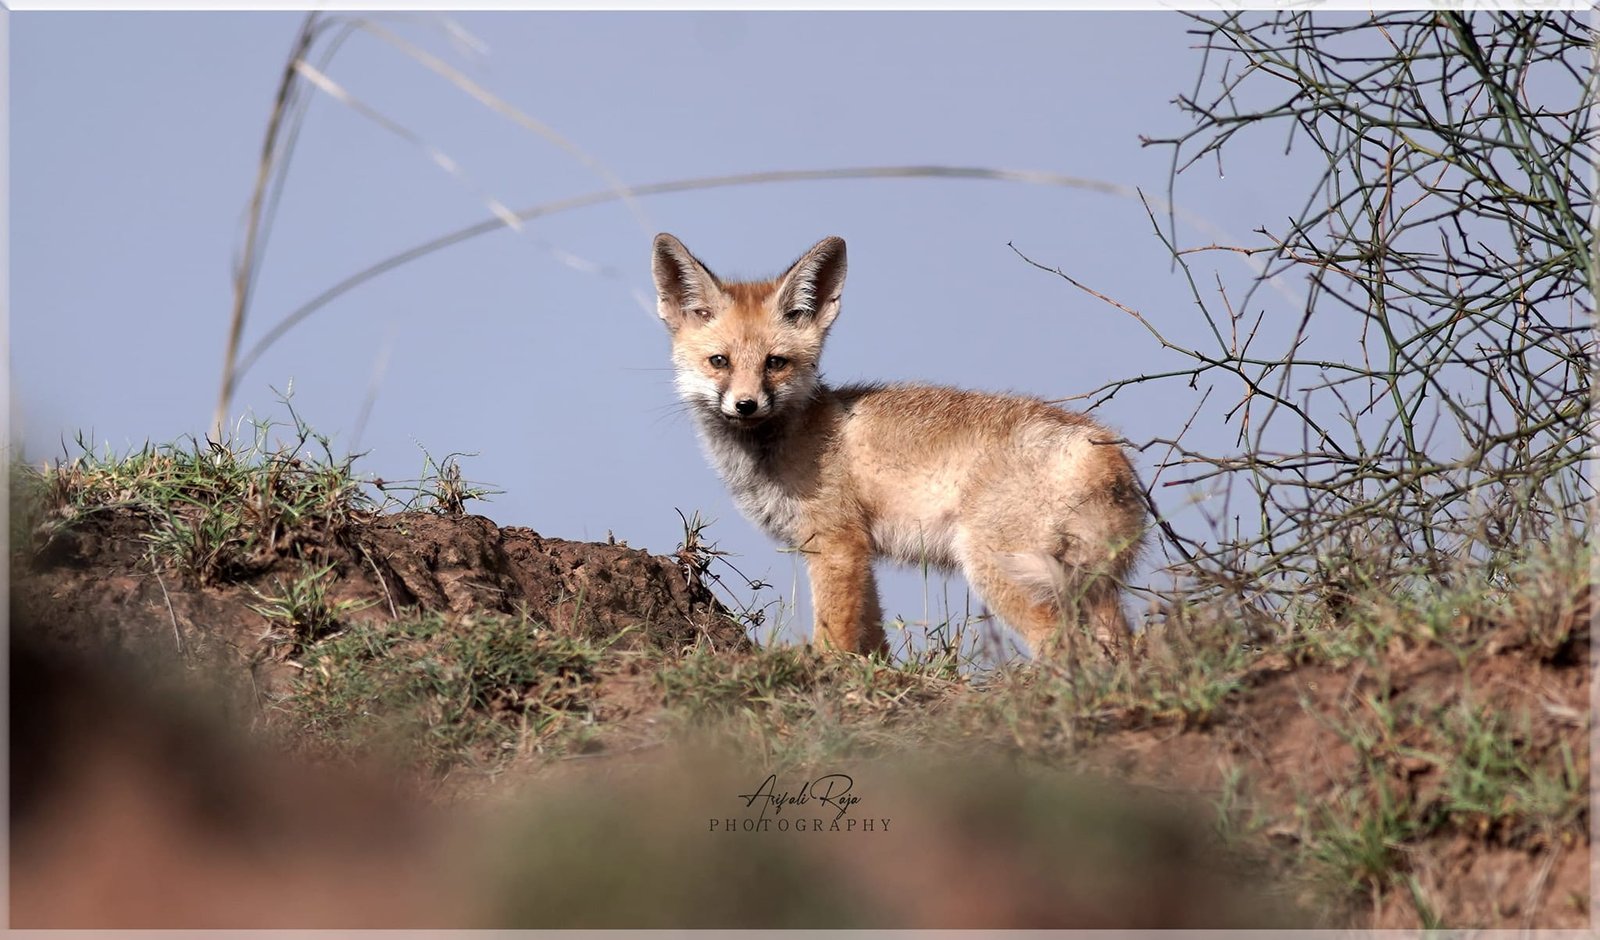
<point x="1049" y="603"/>
<point x="1099" y="605"/>
<point x="1039" y="622"/>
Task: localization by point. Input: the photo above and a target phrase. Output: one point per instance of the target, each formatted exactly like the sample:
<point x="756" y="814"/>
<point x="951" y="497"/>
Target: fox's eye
<point x="719" y="361"/>
<point x="776" y="362"/>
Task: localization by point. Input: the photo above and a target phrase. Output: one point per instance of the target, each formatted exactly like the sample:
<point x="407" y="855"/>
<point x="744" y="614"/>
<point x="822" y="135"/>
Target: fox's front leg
<point x="844" y="594"/>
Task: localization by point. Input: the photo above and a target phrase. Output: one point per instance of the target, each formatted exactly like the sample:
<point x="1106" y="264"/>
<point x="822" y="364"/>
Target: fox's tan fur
<point x="1035" y="505"/>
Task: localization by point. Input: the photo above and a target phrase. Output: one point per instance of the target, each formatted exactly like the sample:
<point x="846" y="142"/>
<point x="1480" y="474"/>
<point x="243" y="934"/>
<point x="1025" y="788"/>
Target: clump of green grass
<point x="1361" y="835"/>
<point x="1182" y="671"/>
<point x="1537" y="595"/>
<point x="299" y="611"/>
<point x="796" y="705"/>
<point x="707" y="685"/>
<point x="220" y="512"/>
<point x="1496" y="786"/>
<point x="1356" y="839"/>
<point x="215" y="511"/>
<point x="469" y="692"/>
<point x="440" y="488"/>
<point x="1238" y="817"/>
<point x="1028" y="712"/>
<point x="1425" y="768"/>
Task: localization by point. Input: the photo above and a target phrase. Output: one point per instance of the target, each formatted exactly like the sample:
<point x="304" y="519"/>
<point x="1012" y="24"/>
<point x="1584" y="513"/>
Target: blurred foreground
<point x="134" y="807"/>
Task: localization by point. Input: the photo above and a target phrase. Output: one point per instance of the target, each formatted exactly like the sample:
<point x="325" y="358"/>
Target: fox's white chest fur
<point x="759" y="492"/>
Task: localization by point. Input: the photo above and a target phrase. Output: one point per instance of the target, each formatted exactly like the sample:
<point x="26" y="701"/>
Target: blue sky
<point x="134" y="143"/>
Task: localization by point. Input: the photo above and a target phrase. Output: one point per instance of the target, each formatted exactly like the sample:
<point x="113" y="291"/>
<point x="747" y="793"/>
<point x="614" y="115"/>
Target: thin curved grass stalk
<point x="444" y="161"/>
<point x="516" y="115"/>
<point x="282" y="134"/>
<point x="600" y="197"/>
<point x="245" y="265"/>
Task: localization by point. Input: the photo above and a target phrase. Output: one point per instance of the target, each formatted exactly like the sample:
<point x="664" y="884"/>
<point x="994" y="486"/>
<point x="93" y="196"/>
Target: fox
<point x="1038" y="507"/>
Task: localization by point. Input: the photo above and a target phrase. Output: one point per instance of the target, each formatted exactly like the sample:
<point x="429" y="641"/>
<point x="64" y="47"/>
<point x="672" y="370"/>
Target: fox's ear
<point x="811" y="287"/>
<point x="684" y="286"/>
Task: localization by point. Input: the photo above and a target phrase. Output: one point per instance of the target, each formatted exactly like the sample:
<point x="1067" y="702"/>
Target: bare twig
<point x="1449" y="229"/>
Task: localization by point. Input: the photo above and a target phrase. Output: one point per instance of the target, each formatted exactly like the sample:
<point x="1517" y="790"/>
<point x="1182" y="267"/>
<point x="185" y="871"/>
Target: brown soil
<point x="112" y="776"/>
<point x="90" y="588"/>
<point x="1281" y="735"/>
<point x="135" y="804"/>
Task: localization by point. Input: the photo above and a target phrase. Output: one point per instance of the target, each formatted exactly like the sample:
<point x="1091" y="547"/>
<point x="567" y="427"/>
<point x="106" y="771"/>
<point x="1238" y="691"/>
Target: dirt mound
<point x="1464" y="769"/>
<point x="1415" y="761"/>
<point x="93" y="586"/>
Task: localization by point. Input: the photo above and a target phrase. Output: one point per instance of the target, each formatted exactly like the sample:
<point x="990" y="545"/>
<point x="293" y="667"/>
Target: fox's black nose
<point x="745" y="406"/>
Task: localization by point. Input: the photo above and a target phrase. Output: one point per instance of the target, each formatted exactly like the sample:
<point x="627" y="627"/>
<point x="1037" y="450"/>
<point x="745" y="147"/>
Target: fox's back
<point x="926" y="462"/>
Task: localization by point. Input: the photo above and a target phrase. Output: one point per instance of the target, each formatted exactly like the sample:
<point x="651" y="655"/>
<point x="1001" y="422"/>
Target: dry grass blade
<point x="1030" y="177"/>
<point x="500" y="106"/>
<point x="445" y="162"/>
<point x="245" y="264"/>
